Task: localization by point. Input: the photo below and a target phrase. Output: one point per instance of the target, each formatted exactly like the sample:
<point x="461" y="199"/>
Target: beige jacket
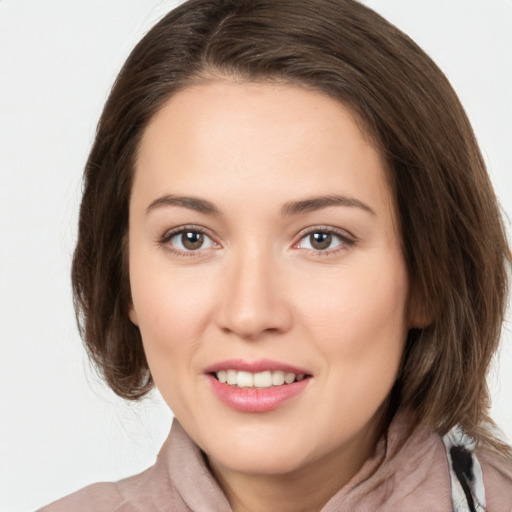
<point x="404" y="474"/>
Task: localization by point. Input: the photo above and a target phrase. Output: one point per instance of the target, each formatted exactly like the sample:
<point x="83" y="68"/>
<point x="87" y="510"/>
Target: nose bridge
<point x="253" y="301"/>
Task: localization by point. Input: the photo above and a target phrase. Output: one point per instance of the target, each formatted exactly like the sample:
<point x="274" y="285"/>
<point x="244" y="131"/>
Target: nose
<point x="253" y="302"/>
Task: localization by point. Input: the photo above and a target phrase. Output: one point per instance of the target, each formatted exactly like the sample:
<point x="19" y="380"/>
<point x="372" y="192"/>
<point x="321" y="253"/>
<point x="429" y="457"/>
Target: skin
<point x="258" y="289"/>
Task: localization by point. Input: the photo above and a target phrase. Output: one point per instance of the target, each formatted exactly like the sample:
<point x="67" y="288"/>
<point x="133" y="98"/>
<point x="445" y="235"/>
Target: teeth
<point x="289" y="377"/>
<point x="245" y="380"/>
<point x="232" y="377"/>
<point x="264" y="379"/>
<point x="277" y="378"/>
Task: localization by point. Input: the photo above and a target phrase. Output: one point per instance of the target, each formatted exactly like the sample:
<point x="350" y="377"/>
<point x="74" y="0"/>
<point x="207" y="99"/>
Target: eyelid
<point x="164" y="240"/>
<point x="346" y="237"/>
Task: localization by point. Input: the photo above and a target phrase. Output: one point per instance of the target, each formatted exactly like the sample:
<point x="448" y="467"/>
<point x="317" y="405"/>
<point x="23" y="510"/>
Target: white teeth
<point x="289" y="377"/>
<point x="264" y="379"/>
<point x="245" y="380"/>
<point x="277" y="378"/>
<point x="232" y="377"/>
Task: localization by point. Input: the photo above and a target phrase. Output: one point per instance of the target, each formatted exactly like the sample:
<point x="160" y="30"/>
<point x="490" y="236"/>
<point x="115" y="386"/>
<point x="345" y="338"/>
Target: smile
<point x="265" y="379"/>
<point x="256" y="386"/>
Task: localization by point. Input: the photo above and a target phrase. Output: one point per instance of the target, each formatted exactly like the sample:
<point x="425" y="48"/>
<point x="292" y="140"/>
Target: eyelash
<point x="346" y="240"/>
<point x="169" y="235"/>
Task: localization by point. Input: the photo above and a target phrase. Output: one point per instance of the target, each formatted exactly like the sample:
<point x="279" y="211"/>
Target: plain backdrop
<point x="60" y="428"/>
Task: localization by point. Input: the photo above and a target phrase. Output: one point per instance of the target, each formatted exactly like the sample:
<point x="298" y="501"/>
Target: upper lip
<point x="260" y="365"/>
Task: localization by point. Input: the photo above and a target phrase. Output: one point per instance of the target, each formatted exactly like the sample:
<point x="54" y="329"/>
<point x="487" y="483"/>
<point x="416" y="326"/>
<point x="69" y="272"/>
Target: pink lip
<point x="255" y="399"/>
<point x="255" y="366"/>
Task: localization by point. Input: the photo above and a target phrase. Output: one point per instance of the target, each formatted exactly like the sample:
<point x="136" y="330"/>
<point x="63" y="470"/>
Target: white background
<point x="60" y="429"/>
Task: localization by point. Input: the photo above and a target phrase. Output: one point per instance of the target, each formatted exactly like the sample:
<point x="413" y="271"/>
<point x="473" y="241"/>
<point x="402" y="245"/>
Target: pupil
<point x="192" y="240"/>
<point x="320" y="241"/>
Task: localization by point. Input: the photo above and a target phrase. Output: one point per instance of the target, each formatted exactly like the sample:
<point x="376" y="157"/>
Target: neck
<point x="304" y="489"/>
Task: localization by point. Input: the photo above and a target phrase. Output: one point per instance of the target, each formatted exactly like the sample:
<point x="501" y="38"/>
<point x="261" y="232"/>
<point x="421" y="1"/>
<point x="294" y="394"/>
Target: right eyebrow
<point x="192" y="203"/>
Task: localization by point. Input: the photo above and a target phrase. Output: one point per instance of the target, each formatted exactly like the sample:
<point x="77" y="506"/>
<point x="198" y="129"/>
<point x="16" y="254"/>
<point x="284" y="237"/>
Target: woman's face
<point x="263" y="247"/>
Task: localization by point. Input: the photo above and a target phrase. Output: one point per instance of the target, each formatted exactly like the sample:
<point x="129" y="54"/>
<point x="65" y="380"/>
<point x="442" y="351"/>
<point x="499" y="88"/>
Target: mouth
<point x="260" y="386"/>
<point x="259" y="380"/>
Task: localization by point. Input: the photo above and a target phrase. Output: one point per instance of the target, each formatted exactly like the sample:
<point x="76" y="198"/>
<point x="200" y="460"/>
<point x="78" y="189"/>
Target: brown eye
<point x="188" y="240"/>
<point x="326" y="241"/>
<point x="192" y="240"/>
<point x="320" y="241"/>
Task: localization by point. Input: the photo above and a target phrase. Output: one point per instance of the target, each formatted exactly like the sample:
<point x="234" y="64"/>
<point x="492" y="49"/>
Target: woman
<point x="287" y="227"/>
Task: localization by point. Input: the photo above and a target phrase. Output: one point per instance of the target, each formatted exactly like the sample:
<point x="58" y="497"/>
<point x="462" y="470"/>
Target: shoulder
<point x="152" y="488"/>
<point x="497" y="474"/>
<point x="100" y="497"/>
<point x="179" y="480"/>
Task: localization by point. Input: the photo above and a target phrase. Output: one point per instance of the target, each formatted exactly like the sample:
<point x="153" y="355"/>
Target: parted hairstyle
<point x="452" y="233"/>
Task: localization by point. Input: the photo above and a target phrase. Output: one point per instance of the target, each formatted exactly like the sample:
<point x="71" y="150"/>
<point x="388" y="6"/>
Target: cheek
<point x="166" y="301"/>
<point x="360" y="329"/>
<point x="172" y="310"/>
<point x="358" y="319"/>
<point x="166" y="327"/>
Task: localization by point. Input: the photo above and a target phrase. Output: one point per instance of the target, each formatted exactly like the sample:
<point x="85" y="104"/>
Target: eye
<point x="187" y="240"/>
<point x="324" y="240"/>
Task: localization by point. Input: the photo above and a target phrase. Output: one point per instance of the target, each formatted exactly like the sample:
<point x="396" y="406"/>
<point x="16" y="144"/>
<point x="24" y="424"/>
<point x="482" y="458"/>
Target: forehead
<point x="258" y="137"/>
<point x="275" y="105"/>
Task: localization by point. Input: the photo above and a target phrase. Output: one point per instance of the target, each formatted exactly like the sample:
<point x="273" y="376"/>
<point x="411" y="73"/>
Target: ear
<point x="132" y="314"/>
<point x="418" y="314"/>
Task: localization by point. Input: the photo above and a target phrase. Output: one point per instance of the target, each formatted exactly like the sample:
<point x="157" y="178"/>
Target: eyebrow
<point x="290" y="208"/>
<point x="192" y="203"/>
<point x="317" y="203"/>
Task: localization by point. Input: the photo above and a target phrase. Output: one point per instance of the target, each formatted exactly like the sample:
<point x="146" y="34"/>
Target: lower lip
<point x="256" y="399"/>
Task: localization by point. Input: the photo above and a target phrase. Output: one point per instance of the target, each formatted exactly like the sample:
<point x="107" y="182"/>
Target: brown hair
<point x="453" y="236"/>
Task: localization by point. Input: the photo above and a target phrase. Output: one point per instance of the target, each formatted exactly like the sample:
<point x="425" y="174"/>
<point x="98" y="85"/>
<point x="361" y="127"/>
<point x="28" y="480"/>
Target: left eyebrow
<point x="317" y="203"/>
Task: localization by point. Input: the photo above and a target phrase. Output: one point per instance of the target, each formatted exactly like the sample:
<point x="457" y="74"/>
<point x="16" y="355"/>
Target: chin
<point x="255" y="462"/>
<point x="262" y="455"/>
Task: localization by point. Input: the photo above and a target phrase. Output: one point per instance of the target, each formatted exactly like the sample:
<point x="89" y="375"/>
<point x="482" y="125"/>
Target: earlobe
<point x="419" y="320"/>
<point x="419" y="316"/>
<point x="133" y="315"/>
